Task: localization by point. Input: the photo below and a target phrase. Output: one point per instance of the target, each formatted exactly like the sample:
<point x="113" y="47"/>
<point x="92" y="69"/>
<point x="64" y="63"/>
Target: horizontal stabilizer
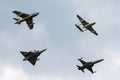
<point x="16" y="19"/>
<point x="78" y="27"/>
<point x="80" y="68"/>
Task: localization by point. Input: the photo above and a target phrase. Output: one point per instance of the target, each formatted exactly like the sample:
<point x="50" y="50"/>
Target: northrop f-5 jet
<point x="88" y="65"/>
<point x="86" y="25"/>
<point x="25" y="17"/>
<point x="32" y="56"/>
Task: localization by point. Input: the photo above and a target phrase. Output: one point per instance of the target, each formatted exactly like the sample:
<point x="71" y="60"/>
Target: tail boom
<point x="79" y="28"/>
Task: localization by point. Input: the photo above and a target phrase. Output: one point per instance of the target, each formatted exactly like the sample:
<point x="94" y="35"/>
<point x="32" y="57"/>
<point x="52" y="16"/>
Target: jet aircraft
<point x="86" y="25"/>
<point x="25" y="17"/>
<point x="32" y="56"/>
<point x="88" y="65"/>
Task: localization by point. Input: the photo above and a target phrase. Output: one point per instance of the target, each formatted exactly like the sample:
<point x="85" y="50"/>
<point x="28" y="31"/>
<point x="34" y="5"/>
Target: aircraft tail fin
<point x="80" y="68"/>
<point x="79" y="28"/>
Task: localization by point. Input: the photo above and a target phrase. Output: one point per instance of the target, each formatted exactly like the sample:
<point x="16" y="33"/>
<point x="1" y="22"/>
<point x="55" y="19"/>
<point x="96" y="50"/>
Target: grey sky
<point x="54" y="29"/>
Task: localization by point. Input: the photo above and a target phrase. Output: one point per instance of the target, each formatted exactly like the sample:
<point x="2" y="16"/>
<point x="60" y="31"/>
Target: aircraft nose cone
<point x="45" y="49"/>
<point x="102" y="59"/>
<point x="37" y="13"/>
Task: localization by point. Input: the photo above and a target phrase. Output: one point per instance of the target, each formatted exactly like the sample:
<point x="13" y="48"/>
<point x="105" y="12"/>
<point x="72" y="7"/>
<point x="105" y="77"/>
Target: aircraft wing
<point x="90" y="69"/>
<point x="82" y="20"/>
<point x="83" y="62"/>
<point x="92" y="30"/>
<point x="30" y="23"/>
<point x="20" y="14"/>
<point x="24" y="53"/>
<point x="33" y="60"/>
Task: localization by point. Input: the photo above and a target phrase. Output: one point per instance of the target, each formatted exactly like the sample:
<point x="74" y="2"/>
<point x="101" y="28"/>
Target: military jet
<point x="88" y="65"/>
<point x="32" y="56"/>
<point x="25" y="17"/>
<point x="86" y="25"/>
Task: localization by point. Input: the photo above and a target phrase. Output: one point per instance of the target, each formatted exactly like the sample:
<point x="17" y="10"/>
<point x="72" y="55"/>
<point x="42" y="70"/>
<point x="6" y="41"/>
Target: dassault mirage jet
<point x="88" y="65"/>
<point x="25" y="17"/>
<point x="86" y="25"/>
<point x="32" y="56"/>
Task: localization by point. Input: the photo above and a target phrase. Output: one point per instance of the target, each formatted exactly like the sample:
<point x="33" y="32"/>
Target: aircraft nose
<point x="37" y="13"/>
<point x="101" y="59"/>
<point x="43" y="50"/>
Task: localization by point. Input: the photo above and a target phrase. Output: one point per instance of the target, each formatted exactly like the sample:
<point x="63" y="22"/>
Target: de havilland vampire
<point x="88" y="65"/>
<point x="32" y="56"/>
<point x="86" y="25"/>
<point x="25" y="17"/>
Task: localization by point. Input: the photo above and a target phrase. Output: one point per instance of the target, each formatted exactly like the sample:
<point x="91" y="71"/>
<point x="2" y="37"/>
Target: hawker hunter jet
<point x="86" y="25"/>
<point x="25" y="17"/>
<point x="88" y="65"/>
<point x="32" y="56"/>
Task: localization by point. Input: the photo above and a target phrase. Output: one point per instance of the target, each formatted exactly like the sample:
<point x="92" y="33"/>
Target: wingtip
<point x="20" y="51"/>
<point x="14" y="11"/>
<point x="77" y="15"/>
<point x="80" y="58"/>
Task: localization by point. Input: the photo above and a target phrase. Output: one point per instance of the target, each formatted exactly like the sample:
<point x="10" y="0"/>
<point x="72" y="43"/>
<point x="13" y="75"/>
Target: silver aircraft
<point x="88" y="65"/>
<point x="25" y="17"/>
<point x="86" y="25"/>
<point x="32" y="56"/>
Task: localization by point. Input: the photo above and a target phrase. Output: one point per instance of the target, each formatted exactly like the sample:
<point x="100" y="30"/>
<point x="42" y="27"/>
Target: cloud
<point x="8" y="72"/>
<point x="55" y="30"/>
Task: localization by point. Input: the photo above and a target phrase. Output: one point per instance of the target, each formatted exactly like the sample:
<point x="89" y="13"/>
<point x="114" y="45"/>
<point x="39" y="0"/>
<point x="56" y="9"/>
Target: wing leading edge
<point x="20" y="14"/>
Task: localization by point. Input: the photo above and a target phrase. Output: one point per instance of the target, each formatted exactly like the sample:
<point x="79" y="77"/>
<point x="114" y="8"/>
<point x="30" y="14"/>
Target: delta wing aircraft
<point x="25" y="17"/>
<point x="86" y="25"/>
<point x="88" y="65"/>
<point x="32" y="56"/>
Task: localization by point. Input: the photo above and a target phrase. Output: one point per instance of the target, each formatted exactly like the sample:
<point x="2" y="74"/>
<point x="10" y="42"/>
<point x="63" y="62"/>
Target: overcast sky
<point x="54" y="29"/>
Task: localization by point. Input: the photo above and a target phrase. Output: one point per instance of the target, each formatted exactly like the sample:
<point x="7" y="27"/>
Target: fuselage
<point x="88" y="26"/>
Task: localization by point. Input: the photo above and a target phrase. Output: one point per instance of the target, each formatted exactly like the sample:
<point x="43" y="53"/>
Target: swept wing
<point x="90" y="69"/>
<point x="21" y="14"/>
<point x="82" y="20"/>
<point x="30" y="23"/>
<point x="33" y="60"/>
<point x="25" y="54"/>
<point x="83" y="62"/>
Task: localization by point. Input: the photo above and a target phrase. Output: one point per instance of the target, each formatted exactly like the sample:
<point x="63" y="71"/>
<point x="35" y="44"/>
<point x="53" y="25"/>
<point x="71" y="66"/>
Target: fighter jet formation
<point x="86" y="25"/>
<point x="88" y="65"/>
<point x="25" y="17"/>
<point x="32" y="56"/>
